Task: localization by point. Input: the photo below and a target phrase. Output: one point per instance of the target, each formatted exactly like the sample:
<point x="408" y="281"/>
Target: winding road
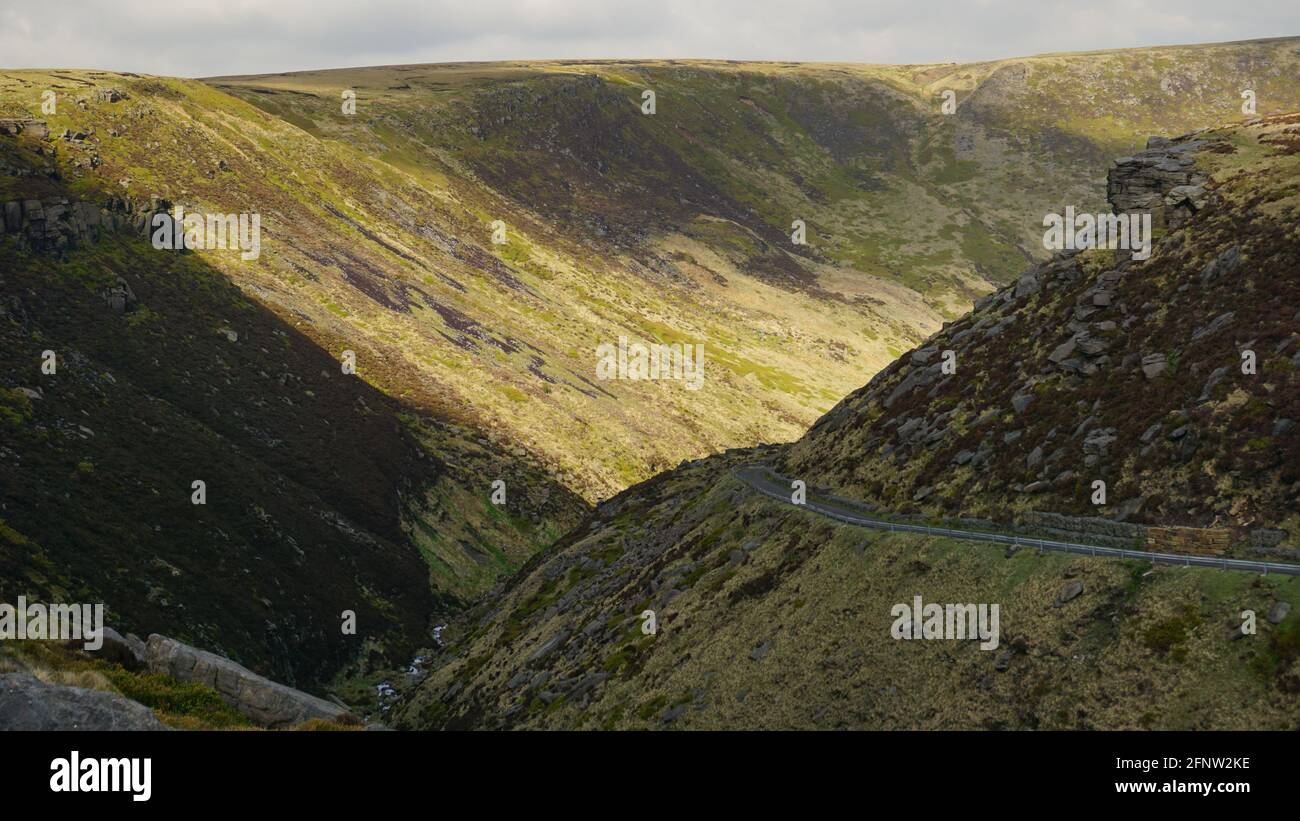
<point x="767" y="482"/>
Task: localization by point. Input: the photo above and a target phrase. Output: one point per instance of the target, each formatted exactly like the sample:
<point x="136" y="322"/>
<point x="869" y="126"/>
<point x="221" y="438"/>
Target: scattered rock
<point x="1217" y="324"/>
<point x="1063" y="351"/>
<point x="1153" y="365"/>
<point x="1071" y="591"/>
<point x="1278" y="612"/>
<point x="549" y="645"/>
<point x="1225" y="263"/>
<point x="672" y="714"/>
<point x="127" y="651"/>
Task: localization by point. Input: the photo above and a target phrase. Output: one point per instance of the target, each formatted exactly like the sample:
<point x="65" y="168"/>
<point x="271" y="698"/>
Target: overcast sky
<point x="198" y="38"/>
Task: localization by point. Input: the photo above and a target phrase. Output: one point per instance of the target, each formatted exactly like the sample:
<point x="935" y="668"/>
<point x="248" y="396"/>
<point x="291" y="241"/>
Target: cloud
<point x="262" y="36"/>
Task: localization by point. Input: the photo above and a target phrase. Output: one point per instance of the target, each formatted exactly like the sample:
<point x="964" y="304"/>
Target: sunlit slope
<point x="771" y="617"/>
<point x="393" y="260"/>
<point x="1174" y="380"/>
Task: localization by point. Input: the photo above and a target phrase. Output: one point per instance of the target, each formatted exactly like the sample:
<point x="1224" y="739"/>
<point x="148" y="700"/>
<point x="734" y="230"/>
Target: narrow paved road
<point x="768" y="483"/>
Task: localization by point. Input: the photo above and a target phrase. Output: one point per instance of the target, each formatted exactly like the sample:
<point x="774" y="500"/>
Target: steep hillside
<point x="777" y="618"/>
<point x="321" y="494"/>
<point x="769" y="616"/>
<point x="476" y="359"/>
<point x="374" y="253"/>
<point x="676" y="226"/>
<point x="1174" y="379"/>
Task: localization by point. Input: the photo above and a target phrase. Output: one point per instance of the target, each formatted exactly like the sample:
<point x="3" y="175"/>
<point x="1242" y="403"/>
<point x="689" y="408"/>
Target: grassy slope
<point x="770" y="617"/>
<point x="375" y="240"/>
<point x="672" y="227"/>
<point x="675" y="226"/>
<point x="777" y="618"/>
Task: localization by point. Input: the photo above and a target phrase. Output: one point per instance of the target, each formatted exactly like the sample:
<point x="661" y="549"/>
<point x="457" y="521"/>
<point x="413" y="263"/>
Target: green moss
<point x="513" y="394"/>
<point x="1169" y="636"/>
<point x="15" y="407"/>
<point x="651" y="708"/>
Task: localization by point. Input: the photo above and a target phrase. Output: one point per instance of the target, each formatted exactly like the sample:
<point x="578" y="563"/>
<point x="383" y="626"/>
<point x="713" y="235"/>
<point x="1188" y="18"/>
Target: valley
<point x="487" y="347"/>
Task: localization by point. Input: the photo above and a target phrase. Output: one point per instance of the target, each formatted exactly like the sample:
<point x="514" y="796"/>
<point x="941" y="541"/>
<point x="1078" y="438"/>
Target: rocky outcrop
<point x="110" y="95"/>
<point x="1162" y="180"/>
<point x="57" y="222"/>
<point x="13" y="126"/>
<point x="27" y="703"/>
<point x="260" y="699"/>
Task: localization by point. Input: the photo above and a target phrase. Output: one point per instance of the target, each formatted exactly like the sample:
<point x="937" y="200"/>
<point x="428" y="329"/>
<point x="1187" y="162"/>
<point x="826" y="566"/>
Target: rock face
<point x="13" y="126"/>
<point x="1162" y="180"/>
<point x="27" y="703"/>
<point x="57" y="222"/>
<point x="110" y="95"/>
<point x="261" y="699"/>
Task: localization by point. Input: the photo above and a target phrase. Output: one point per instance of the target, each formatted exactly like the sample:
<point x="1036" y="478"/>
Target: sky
<point x="198" y="38"/>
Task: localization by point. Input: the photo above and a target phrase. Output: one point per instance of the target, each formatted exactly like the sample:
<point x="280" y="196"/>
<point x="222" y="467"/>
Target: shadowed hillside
<point x="321" y="493"/>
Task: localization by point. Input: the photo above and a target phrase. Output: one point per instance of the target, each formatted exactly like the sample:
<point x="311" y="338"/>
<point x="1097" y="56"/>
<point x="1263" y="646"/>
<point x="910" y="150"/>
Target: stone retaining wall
<point x="1193" y="541"/>
<point x="1086" y="529"/>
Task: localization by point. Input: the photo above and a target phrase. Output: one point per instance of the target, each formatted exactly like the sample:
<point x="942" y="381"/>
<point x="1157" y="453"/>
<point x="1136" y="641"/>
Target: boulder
<point x="127" y="651"/>
<point x="1216" y="377"/>
<point x="109" y="95"/>
<point x="1093" y="346"/>
<point x="1219" y="323"/>
<point x="260" y="699"/>
<point x="1063" y="351"/>
<point x="1278" y="612"/>
<point x="1027" y="284"/>
<point x="27" y="703"/>
<point x="1035" y="458"/>
<point x="1225" y="263"/>
<point x="1072" y="591"/>
<point x="1153" y="365"/>
<point x="1099" y="440"/>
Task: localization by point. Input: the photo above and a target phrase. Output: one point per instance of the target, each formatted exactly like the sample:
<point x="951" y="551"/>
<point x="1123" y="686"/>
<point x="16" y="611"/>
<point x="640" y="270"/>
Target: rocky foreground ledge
<point x="27" y="703"/>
